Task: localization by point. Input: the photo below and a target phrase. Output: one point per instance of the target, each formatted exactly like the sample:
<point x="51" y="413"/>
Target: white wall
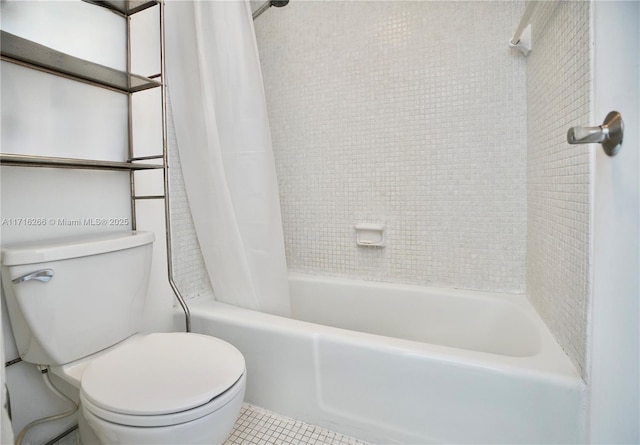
<point x="48" y="115"/>
<point x="614" y="385"/>
<point x="559" y="197"/>
<point x="410" y="114"/>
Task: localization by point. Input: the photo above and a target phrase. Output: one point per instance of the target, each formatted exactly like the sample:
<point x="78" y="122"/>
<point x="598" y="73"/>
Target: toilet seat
<point x="166" y="419"/>
<point x="162" y="379"/>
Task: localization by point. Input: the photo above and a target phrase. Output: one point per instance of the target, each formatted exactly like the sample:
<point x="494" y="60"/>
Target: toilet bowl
<point x="162" y="389"/>
<point x="76" y="306"/>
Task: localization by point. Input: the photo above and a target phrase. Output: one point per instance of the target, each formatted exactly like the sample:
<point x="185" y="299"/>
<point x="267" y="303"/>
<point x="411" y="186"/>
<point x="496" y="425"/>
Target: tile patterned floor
<point x="258" y="426"/>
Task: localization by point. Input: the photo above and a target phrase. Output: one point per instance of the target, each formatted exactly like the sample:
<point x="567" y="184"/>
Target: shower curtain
<point x="219" y="114"/>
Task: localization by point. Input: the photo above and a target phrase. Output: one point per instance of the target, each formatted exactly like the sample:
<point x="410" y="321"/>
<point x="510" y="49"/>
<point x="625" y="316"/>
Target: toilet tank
<point x="94" y="298"/>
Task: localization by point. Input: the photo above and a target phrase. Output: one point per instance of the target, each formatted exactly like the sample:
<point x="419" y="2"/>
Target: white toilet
<point x="77" y="307"/>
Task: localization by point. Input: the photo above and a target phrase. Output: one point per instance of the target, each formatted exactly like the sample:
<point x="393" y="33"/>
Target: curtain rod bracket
<point x="522" y="44"/>
<point x="266" y="5"/>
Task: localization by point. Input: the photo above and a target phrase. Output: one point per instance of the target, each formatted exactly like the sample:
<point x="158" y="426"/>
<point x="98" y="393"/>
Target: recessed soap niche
<point x="370" y="234"/>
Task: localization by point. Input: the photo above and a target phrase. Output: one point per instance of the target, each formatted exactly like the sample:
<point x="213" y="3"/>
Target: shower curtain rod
<point x="521" y="39"/>
<point x="524" y="21"/>
<point x="266" y="5"/>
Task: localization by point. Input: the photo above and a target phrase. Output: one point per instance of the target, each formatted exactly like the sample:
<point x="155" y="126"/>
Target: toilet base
<point x="87" y="436"/>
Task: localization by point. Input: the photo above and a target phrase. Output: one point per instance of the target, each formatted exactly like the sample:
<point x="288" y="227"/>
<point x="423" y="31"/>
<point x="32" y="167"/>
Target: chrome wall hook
<point x="609" y="134"/>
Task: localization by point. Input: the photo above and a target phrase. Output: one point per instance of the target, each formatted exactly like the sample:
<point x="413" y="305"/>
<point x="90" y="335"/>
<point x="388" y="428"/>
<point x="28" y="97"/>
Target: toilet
<point x="76" y="305"/>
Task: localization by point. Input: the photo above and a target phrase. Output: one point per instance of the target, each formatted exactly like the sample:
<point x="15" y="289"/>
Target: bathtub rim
<point x="517" y="299"/>
<point x="497" y="303"/>
<point x="550" y="363"/>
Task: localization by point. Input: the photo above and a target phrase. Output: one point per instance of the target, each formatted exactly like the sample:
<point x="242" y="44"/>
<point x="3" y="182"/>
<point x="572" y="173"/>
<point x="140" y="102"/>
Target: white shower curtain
<point x="224" y="143"/>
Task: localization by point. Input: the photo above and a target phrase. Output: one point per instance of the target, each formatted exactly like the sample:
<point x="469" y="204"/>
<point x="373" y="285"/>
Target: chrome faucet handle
<point x="609" y="134"/>
<point x="587" y="135"/>
<point x="43" y="275"/>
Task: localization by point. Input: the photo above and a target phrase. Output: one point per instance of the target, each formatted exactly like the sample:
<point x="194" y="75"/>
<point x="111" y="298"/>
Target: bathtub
<point x="405" y="364"/>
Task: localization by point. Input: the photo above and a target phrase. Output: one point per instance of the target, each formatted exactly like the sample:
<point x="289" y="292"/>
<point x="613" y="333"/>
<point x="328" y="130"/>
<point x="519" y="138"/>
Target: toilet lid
<point x="162" y="373"/>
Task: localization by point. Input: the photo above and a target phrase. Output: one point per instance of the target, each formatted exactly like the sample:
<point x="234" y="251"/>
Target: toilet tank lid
<point x="79" y="246"/>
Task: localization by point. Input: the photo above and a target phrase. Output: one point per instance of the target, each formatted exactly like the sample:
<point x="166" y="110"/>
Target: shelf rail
<point x="124" y="7"/>
<point x="167" y="185"/>
<point x="20" y="160"/>
<point x="24" y="52"/>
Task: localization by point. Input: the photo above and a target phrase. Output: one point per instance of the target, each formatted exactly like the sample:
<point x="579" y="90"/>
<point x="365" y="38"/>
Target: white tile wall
<point x="189" y="271"/>
<point x="411" y="114"/>
<point x="385" y="112"/>
<point x="559" y="199"/>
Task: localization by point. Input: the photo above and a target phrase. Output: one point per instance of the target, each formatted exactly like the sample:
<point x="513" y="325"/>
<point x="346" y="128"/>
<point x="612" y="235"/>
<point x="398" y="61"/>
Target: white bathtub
<point x="405" y="364"/>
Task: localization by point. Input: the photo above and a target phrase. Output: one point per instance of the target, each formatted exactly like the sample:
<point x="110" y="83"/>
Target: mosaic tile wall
<point x="189" y="270"/>
<point x="410" y="114"/>
<point x="559" y="174"/>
